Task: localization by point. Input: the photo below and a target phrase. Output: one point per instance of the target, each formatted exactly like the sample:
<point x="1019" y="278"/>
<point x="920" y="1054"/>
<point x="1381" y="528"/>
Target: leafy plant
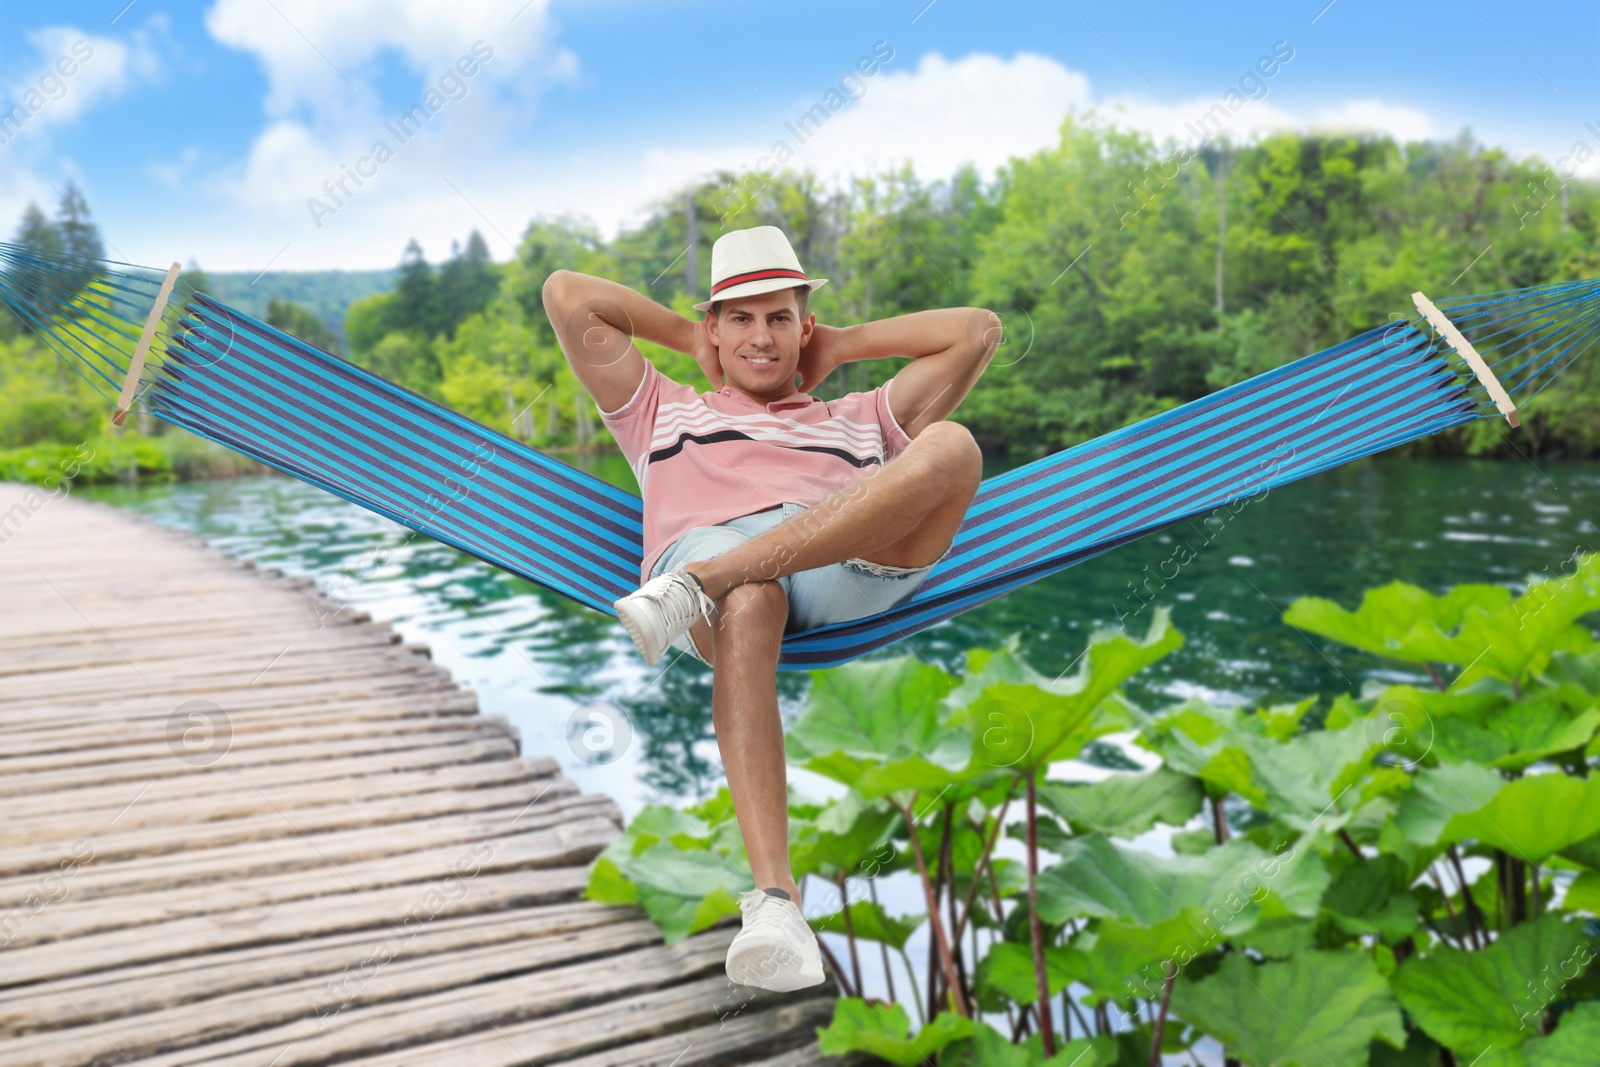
<point x="1405" y="876"/>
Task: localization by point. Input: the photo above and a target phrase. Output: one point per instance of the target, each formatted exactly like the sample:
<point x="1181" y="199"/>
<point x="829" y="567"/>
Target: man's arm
<point x="596" y="320"/>
<point x="948" y="347"/>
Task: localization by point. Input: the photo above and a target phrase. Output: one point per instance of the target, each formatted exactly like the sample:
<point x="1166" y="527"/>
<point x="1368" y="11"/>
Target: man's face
<point x="758" y="339"/>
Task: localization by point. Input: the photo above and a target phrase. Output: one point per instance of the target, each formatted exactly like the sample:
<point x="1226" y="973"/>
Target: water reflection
<point x="537" y="657"/>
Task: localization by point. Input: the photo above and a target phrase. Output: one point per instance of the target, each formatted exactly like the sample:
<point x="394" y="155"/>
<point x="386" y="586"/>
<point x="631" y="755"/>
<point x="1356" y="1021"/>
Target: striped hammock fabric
<point x="239" y="382"/>
<point x="247" y="386"/>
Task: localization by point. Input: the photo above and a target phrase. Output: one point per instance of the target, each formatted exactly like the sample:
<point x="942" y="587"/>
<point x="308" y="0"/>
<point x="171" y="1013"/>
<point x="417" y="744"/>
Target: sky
<point x="248" y="135"/>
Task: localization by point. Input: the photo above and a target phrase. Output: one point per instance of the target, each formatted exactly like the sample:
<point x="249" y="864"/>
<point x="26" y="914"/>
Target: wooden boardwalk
<point x="239" y="826"/>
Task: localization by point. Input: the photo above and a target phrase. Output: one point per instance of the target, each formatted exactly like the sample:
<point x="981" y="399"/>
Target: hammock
<point x="230" y="378"/>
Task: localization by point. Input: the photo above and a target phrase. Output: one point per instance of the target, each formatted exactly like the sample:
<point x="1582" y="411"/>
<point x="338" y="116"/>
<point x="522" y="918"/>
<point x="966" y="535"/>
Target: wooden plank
<point x="150" y="723"/>
<point x="288" y="843"/>
<point x="388" y="972"/>
<point x="268" y="803"/>
<point x="222" y="783"/>
<point x="329" y="737"/>
<point x="604" y="1029"/>
<point x="766" y="1022"/>
<point x="135" y="773"/>
<point x="130" y="384"/>
<point x="1480" y="367"/>
<point x="570" y="1009"/>
<point x="571" y="844"/>
<point x="66" y="1002"/>
<point x="325" y="698"/>
<point x="406" y="904"/>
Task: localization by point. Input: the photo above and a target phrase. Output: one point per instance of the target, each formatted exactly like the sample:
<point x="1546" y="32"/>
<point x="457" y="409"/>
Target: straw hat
<point x="756" y="260"/>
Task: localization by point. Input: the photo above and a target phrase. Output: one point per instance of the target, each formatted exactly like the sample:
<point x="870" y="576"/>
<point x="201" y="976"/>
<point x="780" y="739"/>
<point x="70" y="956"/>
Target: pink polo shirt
<point x="703" y="458"/>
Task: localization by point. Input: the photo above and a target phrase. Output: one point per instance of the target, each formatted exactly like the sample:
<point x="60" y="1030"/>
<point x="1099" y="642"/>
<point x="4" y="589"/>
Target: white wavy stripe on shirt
<point x="674" y="419"/>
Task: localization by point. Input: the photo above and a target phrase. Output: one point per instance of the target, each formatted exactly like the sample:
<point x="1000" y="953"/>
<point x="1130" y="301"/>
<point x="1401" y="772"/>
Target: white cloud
<point x="1402" y="123"/>
<point x="980" y="109"/>
<point x="470" y="169"/>
<point x="477" y="68"/>
<point x="316" y="53"/>
<point x="74" y="72"/>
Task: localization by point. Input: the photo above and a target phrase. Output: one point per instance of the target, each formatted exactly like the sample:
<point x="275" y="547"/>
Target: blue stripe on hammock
<point x="331" y="420"/>
<point x="266" y="402"/>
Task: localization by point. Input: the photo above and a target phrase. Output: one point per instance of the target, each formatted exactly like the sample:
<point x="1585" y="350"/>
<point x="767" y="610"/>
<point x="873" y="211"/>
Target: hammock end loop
<point x="130" y="384"/>
<point x="1480" y="367"/>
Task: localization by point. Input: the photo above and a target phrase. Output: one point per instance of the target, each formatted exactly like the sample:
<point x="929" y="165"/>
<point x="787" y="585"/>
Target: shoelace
<point x="770" y="917"/>
<point x="682" y="599"/>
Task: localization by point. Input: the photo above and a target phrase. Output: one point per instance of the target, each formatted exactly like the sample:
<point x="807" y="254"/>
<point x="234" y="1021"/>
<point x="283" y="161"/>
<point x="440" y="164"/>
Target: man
<point x="768" y="510"/>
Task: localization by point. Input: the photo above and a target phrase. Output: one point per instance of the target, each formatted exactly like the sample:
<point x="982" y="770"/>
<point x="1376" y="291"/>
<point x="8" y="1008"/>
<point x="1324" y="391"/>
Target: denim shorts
<point x="838" y="592"/>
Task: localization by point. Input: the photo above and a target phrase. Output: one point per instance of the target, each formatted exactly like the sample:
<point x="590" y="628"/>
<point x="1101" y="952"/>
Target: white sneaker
<point x="662" y="609"/>
<point x="776" y="949"/>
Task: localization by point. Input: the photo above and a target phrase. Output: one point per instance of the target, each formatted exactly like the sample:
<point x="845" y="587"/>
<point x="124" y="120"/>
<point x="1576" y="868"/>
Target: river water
<point x="547" y="663"/>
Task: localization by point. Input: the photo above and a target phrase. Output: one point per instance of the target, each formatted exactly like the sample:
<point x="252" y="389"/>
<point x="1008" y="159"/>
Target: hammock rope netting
<point x="232" y="379"/>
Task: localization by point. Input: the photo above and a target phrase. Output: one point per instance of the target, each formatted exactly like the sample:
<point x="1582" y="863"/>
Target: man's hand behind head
<point x="705" y="355"/>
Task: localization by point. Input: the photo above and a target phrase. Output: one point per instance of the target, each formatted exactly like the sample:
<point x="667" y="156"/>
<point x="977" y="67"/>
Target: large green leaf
<point x="1522" y="637"/>
<point x="988" y="1047"/>
<point x="1472" y="1001"/>
<point x="620" y="874"/>
<point x="1097" y="879"/>
<point x="1478" y="627"/>
<point x="849" y="835"/>
<point x="1532" y="817"/>
<point x="870" y="922"/>
<point x="1124" y="805"/>
<point x="1118" y="959"/>
<point x="1318" y="1009"/>
<point x="1583" y="895"/>
<point x="1371" y="897"/>
<point x="877" y="726"/>
<point x="1305" y="779"/>
<point x="1440" y="794"/>
<point x="1576" y="1042"/>
<point x="1516" y="735"/>
<point x="1007" y="968"/>
<point x="684" y="890"/>
<point x="1579" y="670"/>
<point x="885" y="1031"/>
<point x="1399" y="619"/>
<point x="1305" y="782"/>
<point x="1022" y="720"/>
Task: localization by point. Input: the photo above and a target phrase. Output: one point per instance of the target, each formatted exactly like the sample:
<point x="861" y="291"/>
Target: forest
<point x="1131" y="277"/>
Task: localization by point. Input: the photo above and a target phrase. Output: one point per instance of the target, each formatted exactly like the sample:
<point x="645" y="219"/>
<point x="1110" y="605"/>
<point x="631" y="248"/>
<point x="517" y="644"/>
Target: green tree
<point x="465" y="284"/>
<point x="297" y="321"/>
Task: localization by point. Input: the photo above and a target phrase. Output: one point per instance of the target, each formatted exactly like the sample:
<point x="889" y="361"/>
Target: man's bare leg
<point x="904" y="515"/>
<point x="744" y="712"/>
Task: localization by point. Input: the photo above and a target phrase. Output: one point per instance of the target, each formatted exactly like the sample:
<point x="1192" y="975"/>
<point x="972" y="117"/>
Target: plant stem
<point x="1349" y="843"/>
<point x="1035" y="931"/>
<point x="1161" y="1018"/>
<point x="947" y="851"/>
<point x="1475" y="916"/>
<point x="850" y="932"/>
<point x="1450" y="909"/>
<point x="838" y="971"/>
<point x="1088" y="1031"/>
<point x="916" y="994"/>
<point x="1220" y="820"/>
<point x="983" y="860"/>
<point x="1435" y="676"/>
<point x="941" y="944"/>
<point x="888" y="975"/>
